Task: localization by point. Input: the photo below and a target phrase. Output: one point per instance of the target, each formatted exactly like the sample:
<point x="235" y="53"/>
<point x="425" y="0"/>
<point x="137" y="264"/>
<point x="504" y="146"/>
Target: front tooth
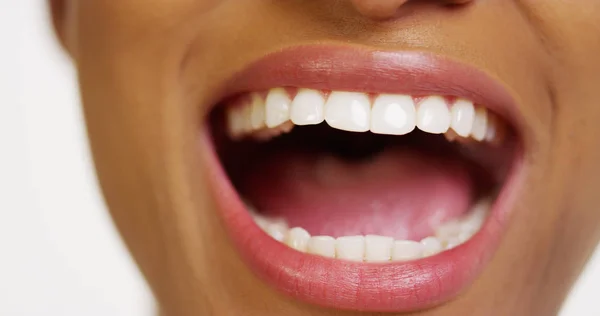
<point x="405" y="250"/>
<point x="350" y="248"/>
<point x="433" y="115"/>
<point x="307" y="107"/>
<point x="277" y="107"/>
<point x="431" y="246"/>
<point x="349" y="111"/>
<point x="378" y="248"/>
<point x="480" y="124"/>
<point x="277" y="231"/>
<point x="257" y="118"/>
<point x="297" y="238"/>
<point x="322" y="246"/>
<point x="463" y="115"/>
<point x="393" y="114"/>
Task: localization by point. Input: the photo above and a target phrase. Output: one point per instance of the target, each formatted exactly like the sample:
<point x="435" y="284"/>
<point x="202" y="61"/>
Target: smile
<point x="365" y="180"/>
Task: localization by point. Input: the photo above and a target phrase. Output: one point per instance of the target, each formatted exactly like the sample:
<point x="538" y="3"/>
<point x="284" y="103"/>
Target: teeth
<point x="373" y="248"/>
<point x="405" y="250"/>
<point x="480" y="124"/>
<point x="246" y="114"/>
<point x="262" y="222"/>
<point x="297" y="238"/>
<point x="348" y="111"/>
<point x="393" y="114"/>
<point x="433" y="115"/>
<point x="451" y="135"/>
<point x="351" y="248"/>
<point x="322" y="245"/>
<point x="472" y="223"/>
<point x="268" y="133"/>
<point x="448" y="230"/>
<point x="378" y="248"/>
<point x="235" y="122"/>
<point x="431" y="246"/>
<point x="463" y="115"/>
<point x="257" y="116"/>
<point x="277" y="231"/>
<point x="452" y="243"/>
<point x="307" y="107"/>
<point x="495" y="129"/>
<point x="277" y="107"/>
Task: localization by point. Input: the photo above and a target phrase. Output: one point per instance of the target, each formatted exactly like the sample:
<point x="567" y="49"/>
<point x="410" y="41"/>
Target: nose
<point x="385" y="9"/>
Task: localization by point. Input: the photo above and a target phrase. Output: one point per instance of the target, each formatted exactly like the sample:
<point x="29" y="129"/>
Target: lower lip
<point x="380" y="287"/>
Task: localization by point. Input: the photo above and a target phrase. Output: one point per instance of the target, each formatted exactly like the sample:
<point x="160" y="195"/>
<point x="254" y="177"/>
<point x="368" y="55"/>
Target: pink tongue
<point x="399" y="193"/>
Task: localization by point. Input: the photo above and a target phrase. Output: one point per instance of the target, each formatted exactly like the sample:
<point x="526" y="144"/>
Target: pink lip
<point x="387" y="287"/>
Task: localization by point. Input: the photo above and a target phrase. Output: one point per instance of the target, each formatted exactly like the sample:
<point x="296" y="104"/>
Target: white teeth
<point x="373" y="248"/>
<point x="477" y="217"/>
<point x="405" y="250"/>
<point x="351" y="248"/>
<point x="307" y="107"/>
<point x="452" y="243"/>
<point x="431" y="246"/>
<point x="262" y="222"/>
<point x="235" y="122"/>
<point x="348" y="111"/>
<point x="277" y="107"/>
<point x="277" y="231"/>
<point x="433" y="115"/>
<point x="378" y="248"/>
<point x="393" y="114"/>
<point x="322" y="245"/>
<point x="448" y="230"/>
<point x="480" y="124"/>
<point x="495" y="129"/>
<point x="257" y="118"/>
<point x="465" y="235"/>
<point x="463" y="115"/>
<point x="246" y="113"/>
<point x="297" y="238"/>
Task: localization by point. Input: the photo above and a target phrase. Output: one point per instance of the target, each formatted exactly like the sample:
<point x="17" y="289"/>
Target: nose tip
<point x="385" y="9"/>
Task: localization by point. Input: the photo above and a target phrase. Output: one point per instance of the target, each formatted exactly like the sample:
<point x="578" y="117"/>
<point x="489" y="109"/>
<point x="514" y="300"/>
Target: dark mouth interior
<point x="339" y="183"/>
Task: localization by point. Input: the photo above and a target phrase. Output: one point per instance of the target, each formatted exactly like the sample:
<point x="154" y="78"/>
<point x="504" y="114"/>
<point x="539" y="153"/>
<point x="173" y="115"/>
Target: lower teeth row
<point x="373" y="248"/>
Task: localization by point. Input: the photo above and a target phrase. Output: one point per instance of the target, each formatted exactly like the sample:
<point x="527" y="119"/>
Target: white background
<point x="59" y="253"/>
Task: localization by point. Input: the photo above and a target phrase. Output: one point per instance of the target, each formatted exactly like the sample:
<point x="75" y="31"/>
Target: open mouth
<point x="355" y="193"/>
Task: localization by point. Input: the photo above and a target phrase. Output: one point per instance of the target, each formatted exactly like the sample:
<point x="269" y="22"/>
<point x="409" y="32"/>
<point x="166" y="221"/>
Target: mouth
<point x="365" y="180"/>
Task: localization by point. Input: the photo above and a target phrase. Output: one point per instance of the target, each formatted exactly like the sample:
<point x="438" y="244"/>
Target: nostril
<point x="457" y="2"/>
<point x="385" y="9"/>
<point x="378" y="9"/>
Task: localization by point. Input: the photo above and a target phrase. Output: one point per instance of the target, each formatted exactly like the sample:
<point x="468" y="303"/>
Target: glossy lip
<point x="375" y="287"/>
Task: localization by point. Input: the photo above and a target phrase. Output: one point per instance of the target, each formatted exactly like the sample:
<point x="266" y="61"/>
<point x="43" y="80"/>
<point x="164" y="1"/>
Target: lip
<point x="374" y="287"/>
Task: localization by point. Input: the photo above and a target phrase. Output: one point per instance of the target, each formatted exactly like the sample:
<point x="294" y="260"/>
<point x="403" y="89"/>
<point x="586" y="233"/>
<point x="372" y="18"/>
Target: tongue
<point x="399" y="193"/>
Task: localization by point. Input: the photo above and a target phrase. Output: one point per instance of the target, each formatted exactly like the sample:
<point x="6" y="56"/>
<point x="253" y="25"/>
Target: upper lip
<point x="361" y="286"/>
<point x="375" y="71"/>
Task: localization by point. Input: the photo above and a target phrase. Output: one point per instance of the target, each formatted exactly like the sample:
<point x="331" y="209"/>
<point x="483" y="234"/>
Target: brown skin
<point x="147" y="71"/>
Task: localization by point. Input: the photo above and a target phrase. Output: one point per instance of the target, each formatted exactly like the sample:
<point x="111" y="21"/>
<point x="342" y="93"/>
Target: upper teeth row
<point x="372" y="248"/>
<point x="393" y="114"/>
